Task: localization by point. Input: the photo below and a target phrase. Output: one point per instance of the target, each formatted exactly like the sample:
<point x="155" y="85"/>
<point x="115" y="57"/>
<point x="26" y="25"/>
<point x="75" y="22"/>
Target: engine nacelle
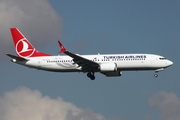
<point x="112" y="74"/>
<point x="105" y="67"/>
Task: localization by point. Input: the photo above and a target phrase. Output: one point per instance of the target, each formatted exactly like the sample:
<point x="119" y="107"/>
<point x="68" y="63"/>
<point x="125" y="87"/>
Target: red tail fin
<point x="23" y="47"/>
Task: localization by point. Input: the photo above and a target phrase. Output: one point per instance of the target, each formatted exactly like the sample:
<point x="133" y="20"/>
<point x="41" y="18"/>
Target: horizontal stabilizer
<point x="16" y="57"/>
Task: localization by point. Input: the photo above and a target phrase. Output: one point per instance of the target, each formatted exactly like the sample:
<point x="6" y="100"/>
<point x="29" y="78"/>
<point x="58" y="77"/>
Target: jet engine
<point x="112" y="74"/>
<point x="105" y="67"/>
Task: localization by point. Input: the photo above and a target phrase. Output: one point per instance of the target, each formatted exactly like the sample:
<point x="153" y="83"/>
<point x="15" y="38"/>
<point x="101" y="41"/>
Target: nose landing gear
<point x="158" y="70"/>
<point x="155" y="75"/>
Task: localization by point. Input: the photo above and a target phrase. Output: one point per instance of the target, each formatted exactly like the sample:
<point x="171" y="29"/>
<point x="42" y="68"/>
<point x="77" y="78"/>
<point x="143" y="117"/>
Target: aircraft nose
<point x="169" y="63"/>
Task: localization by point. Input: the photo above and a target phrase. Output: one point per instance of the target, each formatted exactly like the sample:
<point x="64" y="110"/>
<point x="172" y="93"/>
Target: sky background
<point x="91" y="27"/>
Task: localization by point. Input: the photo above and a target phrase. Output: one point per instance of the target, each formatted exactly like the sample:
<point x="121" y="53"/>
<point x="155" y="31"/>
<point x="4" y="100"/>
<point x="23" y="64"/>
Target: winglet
<point x="63" y="49"/>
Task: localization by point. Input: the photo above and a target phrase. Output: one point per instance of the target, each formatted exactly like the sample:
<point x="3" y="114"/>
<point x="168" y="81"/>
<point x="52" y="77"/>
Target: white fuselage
<point x="123" y="61"/>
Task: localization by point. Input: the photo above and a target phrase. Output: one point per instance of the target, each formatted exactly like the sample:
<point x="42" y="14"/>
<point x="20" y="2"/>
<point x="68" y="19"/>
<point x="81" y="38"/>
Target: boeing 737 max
<point x="107" y="64"/>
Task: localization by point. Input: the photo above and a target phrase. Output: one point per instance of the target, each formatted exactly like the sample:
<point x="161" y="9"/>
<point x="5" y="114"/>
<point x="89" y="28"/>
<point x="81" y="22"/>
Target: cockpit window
<point x="162" y="58"/>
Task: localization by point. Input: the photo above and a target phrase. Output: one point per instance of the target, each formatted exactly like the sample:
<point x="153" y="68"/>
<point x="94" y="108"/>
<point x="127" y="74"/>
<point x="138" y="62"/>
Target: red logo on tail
<point x="24" y="48"/>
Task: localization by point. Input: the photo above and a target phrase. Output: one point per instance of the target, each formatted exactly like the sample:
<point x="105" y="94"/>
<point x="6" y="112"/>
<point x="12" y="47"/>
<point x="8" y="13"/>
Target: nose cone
<point x="169" y="63"/>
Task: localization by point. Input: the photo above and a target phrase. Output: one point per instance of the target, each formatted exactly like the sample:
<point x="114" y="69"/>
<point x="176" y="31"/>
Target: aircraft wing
<point x="86" y="64"/>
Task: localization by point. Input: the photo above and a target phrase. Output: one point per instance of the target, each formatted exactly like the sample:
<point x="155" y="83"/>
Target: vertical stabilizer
<point x="23" y="47"/>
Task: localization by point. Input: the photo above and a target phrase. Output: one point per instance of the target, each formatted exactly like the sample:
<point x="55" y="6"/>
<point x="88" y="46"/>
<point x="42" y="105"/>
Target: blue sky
<point x="91" y="27"/>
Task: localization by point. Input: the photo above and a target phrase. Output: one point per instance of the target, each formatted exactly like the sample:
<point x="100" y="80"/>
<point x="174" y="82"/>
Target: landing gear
<point x="155" y="75"/>
<point x="158" y="70"/>
<point x="91" y="75"/>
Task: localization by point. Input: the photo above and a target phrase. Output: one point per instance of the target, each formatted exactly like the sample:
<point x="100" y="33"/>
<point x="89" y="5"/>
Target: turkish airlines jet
<point x="107" y="64"/>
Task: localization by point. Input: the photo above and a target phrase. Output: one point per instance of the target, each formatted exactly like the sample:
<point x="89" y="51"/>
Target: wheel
<point x="155" y="75"/>
<point x="92" y="77"/>
<point x="89" y="74"/>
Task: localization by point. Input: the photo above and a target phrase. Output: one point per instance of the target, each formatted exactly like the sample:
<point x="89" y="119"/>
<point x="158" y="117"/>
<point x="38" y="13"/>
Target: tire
<point x="92" y="77"/>
<point x="155" y="75"/>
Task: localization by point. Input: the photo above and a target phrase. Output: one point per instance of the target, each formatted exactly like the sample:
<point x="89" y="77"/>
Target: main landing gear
<point x="91" y="75"/>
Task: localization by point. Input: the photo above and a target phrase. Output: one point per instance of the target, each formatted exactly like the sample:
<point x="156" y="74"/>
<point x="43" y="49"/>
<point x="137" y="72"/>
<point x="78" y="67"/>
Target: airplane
<point x="110" y="65"/>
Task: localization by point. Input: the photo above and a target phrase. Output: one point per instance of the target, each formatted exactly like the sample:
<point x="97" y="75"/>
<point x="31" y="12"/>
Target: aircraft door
<point x="39" y="64"/>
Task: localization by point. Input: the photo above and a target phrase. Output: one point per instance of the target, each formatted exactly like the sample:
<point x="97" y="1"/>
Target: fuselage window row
<point x="60" y="61"/>
<point x="96" y="60"/>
